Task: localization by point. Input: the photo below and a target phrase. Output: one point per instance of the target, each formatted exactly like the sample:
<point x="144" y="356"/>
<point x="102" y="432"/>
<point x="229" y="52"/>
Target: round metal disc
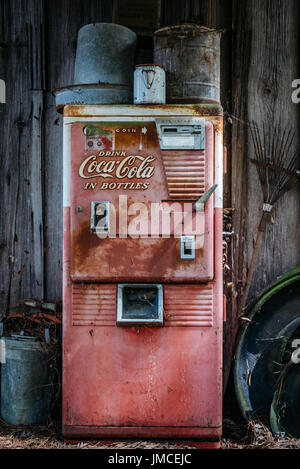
<point x="285" y="408"/>
<point x="274" y="318"/>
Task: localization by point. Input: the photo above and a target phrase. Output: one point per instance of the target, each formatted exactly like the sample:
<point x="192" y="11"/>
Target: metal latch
<point x="200" y="204"/>
<point x="100" y="217"/>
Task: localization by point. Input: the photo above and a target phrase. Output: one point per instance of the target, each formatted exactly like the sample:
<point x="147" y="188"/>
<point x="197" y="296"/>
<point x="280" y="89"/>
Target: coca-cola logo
<point x="131" y="166"/>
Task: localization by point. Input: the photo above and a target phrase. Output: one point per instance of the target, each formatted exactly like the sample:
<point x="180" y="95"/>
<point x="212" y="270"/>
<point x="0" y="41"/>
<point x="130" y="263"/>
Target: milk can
<point x="149" y="84"/>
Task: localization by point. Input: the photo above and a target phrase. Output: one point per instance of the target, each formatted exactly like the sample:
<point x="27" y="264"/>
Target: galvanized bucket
<point x="26" y="381"/>
<point x="103" y="67"/>
<point x="92" y="94"/>
<point x="190" y="55"/>
<point x="105" y="54"/>
<point x="149" y="84"/>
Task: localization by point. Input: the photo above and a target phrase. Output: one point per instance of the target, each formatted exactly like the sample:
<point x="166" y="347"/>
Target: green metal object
<point x="265" y="295"/>
<point x="200" y="204"/>
<point x="271" y="320"/>
<point x="285" y="408"/>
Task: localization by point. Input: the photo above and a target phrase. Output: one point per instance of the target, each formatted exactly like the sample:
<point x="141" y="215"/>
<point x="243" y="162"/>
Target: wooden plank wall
<point x="265" y="51"/>
<point x="37" y="50"/>
<point x="260" y="58"/>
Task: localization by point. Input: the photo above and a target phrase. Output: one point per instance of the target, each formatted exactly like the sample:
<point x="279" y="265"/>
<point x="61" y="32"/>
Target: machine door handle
<point x="200" y="204"/>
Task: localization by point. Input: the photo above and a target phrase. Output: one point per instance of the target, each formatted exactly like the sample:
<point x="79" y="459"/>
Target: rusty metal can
<point x="190" y="55"/>
<point x="149" y="84"/>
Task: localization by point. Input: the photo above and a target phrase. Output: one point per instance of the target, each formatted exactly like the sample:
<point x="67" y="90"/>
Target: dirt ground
<point x="236" y="436"/>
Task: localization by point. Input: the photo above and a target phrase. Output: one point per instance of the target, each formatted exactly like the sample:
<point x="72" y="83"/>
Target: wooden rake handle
<point x="260" y="230"/>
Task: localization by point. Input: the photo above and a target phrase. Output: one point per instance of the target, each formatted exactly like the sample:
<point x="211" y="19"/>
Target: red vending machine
<point x="142" y="271"/>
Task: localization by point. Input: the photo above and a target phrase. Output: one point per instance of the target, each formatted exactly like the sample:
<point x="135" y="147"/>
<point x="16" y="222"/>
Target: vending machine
<point x="142" y="271"/>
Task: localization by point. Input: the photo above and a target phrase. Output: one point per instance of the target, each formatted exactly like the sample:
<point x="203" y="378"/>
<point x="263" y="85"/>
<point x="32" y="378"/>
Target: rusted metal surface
<point x="95" y="305"/>
<point x="141" y="381"/>
<point x="190" y="55"/>
<point x="172" y="180"/>
<point x="209" y="111"/>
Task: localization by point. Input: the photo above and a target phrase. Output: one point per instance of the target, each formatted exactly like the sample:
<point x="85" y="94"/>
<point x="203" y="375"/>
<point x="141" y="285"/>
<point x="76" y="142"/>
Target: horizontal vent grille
<point x="94" y="305"/>
<point x="188" y="305"/>
<point x="185" y="175"/>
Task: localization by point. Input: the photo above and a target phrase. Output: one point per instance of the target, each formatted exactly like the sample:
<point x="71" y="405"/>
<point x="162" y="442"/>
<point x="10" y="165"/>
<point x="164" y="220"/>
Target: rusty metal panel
<point x="99" y="174"/>
<point x="209" y="111"/>
<point x="135" y="377"/>
<point x="185" y="177"/>
<point x="133" y="380"/>
<point x="189" y="306"/>
<point x="94" y="304"/>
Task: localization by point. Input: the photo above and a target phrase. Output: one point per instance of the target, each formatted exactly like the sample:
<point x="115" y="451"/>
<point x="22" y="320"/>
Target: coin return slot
<point x="187" y="247"/>
<point x="170" y="130"/>
<point x="140" y="304"/>
<point x="100" y="217"/>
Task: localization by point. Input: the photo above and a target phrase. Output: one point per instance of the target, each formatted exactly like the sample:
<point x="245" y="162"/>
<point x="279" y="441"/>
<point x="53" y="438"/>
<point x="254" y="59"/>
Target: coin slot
<point x="187" y="247"/>
<point x="100" y="217"/>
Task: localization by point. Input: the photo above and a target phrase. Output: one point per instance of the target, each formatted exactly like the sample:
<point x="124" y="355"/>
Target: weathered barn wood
<point x="62" y="21"/>
<point x="38" y="43"/>
<point x="260" y="58"/>
<point x="274" y="64"/>
<point x="22" y="230"/>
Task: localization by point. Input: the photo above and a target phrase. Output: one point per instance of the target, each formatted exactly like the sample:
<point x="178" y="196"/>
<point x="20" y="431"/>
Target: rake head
<point x="276" y="159"/>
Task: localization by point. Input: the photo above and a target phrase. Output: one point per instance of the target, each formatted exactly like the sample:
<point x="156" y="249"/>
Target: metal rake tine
<point x="263" y="161"/>
<point x="254" y="140"/>
<point x="267" y="168"/>
<point x="286" y="180"/>
<point x="259" y="143"/>
<point x="285" y="151"/>
<point x="275" y="148"/>
<point x="261" y="149"/>
<point x="277" y="158"/>
<point x="260" y="171"/>
<point x="256" y="144"/>
<point x="273" y="153"/>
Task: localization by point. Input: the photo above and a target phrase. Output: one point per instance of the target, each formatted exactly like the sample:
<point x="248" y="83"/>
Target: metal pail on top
<point x="103" y="67"/>
<point x="190" y="55"/>
<point x="105" y="54"/>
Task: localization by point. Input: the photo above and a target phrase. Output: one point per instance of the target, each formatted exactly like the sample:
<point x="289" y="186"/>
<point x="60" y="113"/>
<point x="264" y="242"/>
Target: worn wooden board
<point x="60" y="57"/>
<point x="238" y="170"/>
<point x="273" y="67"/>
<point x="22" y="230"/>
<point x="142" y="17"/>
<point x="37" y="50"/>
<point x="265" y="50"/>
